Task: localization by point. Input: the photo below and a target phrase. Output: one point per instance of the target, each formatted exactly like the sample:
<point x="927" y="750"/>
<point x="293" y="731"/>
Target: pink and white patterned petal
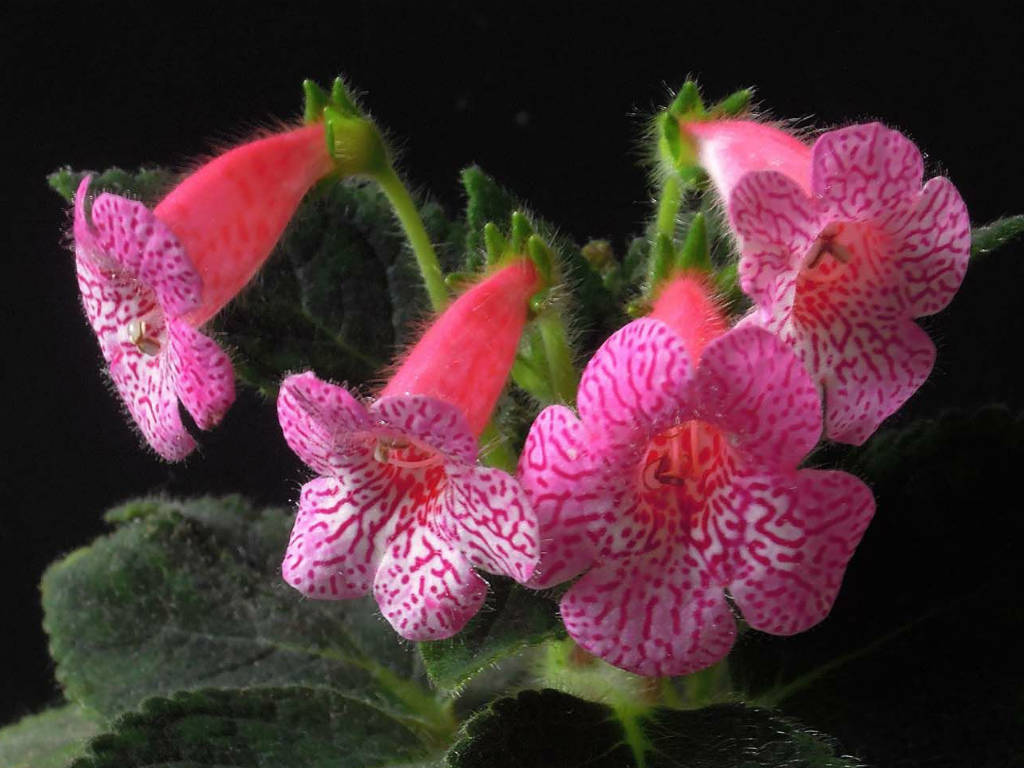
<point x="867" y="370"/>
<point x="636" y="385"/>
<point x="204" y="379"/>
<point x="865" y="172"/>
<point x="932" y="247"/>
<point x="490" y="517"/>
<point x="425" y="587"/>
<point x="128" y="233"/>
<point x="777" y="224"/>
<point x="753" y="388"/>
<point x="325" y="426"/>
<point x="565" y="492"/>
<point x="340" y="533"/>
<point x="112" y="302"/>
<point x="656" y="615"/>
<point x="801" y="532"/>
<point x="430" y="422"/>
<point x="147" y="386"/>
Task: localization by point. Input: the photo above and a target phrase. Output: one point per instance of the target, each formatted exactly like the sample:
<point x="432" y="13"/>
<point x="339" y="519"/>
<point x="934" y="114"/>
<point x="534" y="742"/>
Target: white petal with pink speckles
<point x="750" y="385"/>
<point x="429" y="421"/>
<point x="865" y="171"/>
<point x="801" y="531"/>
<point x="425" y="587"/>
<point x="340" y="533"/>
<point x="202" y="374"/>
<point x="654" y="615"/>
<point x="635" y="385"/>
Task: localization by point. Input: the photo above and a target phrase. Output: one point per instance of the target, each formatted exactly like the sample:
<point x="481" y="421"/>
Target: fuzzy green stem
<point x="561" y="371"/>
<point x="409" y="217"/>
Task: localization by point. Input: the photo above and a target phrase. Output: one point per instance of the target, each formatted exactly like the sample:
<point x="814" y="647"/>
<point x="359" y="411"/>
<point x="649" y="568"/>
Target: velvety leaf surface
<point x="48" y="740"/>
<point x="555" y="730"/>
<point x="187" y="595"/>
<point x="147" y="185"/>
<point x="919" y="662"/>
<point x="512" y="618"/>
<point x="995" y="235"/>
<point x="262" y="727"/>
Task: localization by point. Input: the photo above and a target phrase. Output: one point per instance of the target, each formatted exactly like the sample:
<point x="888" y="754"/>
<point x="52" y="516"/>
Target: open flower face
<point x="839" y="262"/>
<point x="678" y="482"/>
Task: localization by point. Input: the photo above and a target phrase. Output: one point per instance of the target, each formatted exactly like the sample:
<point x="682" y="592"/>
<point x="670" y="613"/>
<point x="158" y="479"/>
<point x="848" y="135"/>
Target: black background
<point x="550" y="102"/>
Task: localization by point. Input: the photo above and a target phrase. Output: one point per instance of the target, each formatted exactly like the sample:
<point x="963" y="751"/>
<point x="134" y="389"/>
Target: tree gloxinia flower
<point x="401" y="506"/>
<point x="149" y="279"/>
<point x="841" y="249"/>
<point x="679" y="481"/>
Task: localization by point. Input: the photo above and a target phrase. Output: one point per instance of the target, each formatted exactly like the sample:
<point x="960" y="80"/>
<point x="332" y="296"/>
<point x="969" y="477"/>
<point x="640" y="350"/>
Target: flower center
<point x="677" y="465"/>
<point x="145" y="335"/>
<point x="402" y="452"/>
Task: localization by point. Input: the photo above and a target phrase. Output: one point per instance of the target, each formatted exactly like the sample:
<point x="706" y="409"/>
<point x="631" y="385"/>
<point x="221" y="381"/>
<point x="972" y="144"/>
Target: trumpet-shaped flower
<point x="150" y="278"/>
<point x="679" y="482"/>
<point x="841" y="248"/>
<point x="401" y="508"/>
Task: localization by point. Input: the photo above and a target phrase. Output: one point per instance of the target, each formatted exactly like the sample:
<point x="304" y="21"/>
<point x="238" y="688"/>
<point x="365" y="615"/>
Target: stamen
<point x="138" y="334"/>
<point x="389" y="452"/>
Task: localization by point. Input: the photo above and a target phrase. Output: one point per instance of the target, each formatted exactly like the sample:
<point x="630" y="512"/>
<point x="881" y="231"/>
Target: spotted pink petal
<point x="777" y="224"/>
<point x="425" y="587"/>
<point x="750" y="385"/>
<point x="567" y="498"/>
<point x="489" y="516"/>
<point x="340" y="533"/>
<point x="932" y="247"/>
<point x="202" y="373"/>
<point x="427" y="420"/>
<point x="865" y="172"/>
<point x="325" y="426"/>
<point x="802" y="530"/>
<point x="652" y="615"/>
<point x="129" y="234"/>
<point x="635" y="385"/>
<point x="147" y="387"/>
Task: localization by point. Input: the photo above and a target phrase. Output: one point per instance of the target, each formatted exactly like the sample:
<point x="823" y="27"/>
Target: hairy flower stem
<point x="409" y="217"/>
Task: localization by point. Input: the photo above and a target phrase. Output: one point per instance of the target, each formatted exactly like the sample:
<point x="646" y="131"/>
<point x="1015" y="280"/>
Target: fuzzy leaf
<point x="187" y="595"/>
<point x="512" y="618"/>
<point x="47" y="740"/>
<point x="995" y="235"/>
<point x="272" y="727"/>
<point x="147" y="185"/>
<point x="549" y="728"/>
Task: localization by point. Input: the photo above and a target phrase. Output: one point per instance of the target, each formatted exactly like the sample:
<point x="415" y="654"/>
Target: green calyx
<point x="353" y="140"/>
<point x="676" y="150"/>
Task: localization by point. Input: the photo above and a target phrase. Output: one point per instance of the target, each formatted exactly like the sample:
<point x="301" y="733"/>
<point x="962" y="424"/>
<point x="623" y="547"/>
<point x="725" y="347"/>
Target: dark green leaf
<point x="146" y="184"/>
<point x="184" y="595"/>
<point x="512" y="618"/>
<point x="556" y="730"/>
<point x="261" y="727"/>
<point x="47" y="740"/>
<point x="994" y="236"/>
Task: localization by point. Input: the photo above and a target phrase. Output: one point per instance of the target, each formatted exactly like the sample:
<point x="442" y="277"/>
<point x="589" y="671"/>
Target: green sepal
<point x="733" y="105"/>
<point x="660" y="265"/>
<point x="687" y="103"/>
<point x="459" y="280"/>
<point x="316" y="98"/>
<point x="354" y="143"/>
<point x="495" y="243"/>
<point x="540" y="254"/>
<point x="696" y="251"/>
<point x="520" y="232"/>
<point x="342" y="99"/>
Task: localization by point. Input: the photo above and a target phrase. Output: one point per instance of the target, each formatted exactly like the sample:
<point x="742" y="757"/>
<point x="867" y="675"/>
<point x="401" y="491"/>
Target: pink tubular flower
<point x="149" y="279"/>
<point x="679" y="481"/>
<point x="401" y="506"/>
<point x="841" y="249"/>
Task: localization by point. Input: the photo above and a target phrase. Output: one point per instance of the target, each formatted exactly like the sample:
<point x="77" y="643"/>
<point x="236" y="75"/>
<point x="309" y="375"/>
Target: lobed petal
<point x="323" y="424"/>
<point x="654" y="615"/>
<point x="127" y="233"/>
<point x="565" y="492"/>
<point x="932" y="247"/>
<point x="635" y="385"/>
<point x="753" y="388"/>
<point x="204" y="379"/>
<point x="425" y="587"/>
<point x="802" y="530"/>
<point x="489" y="516"/>
<point x="865" y="172"/>
<point x="427" y="420"/>
<point x="340" y="533"/>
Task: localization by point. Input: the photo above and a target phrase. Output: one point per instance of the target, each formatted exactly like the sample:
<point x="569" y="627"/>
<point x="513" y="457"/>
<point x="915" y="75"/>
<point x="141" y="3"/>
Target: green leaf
<point x="47" y="740"/>
<point x="146" y="184"/>
<point x="994" y="236"/>
<point x="512" y="619"/>
<point x="549" y="728"/>
<point x="272" y="727"/>
<point x="188" y="594"/>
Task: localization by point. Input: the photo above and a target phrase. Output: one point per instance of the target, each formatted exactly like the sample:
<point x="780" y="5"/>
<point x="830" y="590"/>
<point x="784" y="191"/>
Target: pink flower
<point x="841" y="249"/>
<point x="149" y="279"/>
<point x="401" y="506"/>
<point x="679" y="481"/>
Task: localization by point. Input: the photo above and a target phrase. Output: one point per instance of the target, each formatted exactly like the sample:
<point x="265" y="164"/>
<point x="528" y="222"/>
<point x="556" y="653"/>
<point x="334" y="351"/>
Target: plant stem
<point x="409" y="217"/>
